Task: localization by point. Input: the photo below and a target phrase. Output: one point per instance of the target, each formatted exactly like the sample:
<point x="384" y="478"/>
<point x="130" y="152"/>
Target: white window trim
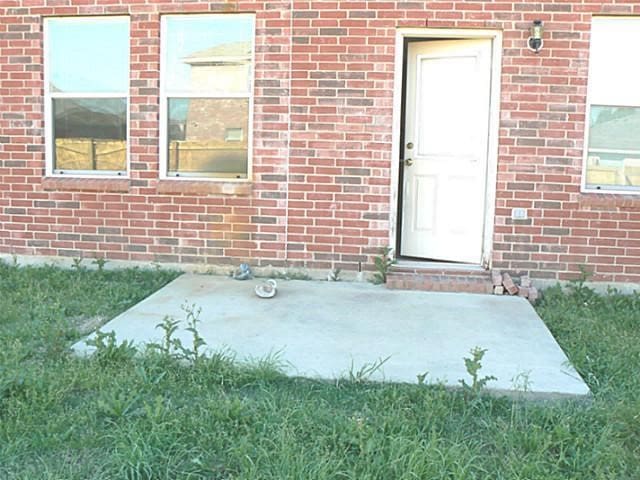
<point x="48" y="105"/>
<point x="164" y="96"/>
<point x="584" y="188"/>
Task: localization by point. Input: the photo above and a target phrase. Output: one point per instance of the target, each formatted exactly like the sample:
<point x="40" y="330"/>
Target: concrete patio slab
<point x="326" y="329"/>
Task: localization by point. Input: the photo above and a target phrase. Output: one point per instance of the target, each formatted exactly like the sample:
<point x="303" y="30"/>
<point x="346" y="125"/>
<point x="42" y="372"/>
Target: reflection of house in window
<point x="614" y="146"/>
<point x="224" y="67"/>
<point x="615" y="128"/>
<point x="207" y="134"/>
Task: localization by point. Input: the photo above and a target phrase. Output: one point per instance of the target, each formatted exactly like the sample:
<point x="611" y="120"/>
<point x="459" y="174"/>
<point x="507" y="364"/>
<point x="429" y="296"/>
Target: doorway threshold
<point x="412" y="263"/>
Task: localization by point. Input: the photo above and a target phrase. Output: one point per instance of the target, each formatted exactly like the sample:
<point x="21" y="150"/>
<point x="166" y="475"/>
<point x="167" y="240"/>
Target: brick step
<point x="441" y="281"/>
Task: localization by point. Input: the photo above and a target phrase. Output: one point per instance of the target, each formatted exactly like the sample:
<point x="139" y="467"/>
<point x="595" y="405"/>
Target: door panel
<point x="457" y="221"/>
<point x="425" y="192"/>
<point x="446" y="138"/>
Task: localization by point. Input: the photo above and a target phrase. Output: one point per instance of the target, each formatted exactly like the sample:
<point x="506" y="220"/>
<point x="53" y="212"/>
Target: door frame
<point x="494" y="126"/>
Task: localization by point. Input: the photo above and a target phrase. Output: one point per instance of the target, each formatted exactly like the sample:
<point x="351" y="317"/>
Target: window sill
<point x="204" y="187"/>
<point x="86" y="184"/>
<point x="609" y="201"/>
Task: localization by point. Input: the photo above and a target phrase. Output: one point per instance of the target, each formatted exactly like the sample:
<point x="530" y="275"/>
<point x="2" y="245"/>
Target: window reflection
<point x="200" y="140"/>
<point x="614" y="146"/>
<point x="616" y="128"/>
<point x="87" y="62"/>
<point x="88" y="55"/>
<point x="208" y="53"/>
<point x="90" y="133"/>
<point x="207" y="68"/>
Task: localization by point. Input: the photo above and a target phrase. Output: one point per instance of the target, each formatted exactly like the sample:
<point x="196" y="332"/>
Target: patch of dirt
<point x="87" y="325"/>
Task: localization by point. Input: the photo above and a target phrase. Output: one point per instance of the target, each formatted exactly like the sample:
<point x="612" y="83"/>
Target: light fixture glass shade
<point x="536" y="30"/>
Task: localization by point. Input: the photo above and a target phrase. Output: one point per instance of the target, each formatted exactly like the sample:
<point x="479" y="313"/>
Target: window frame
<point x="165" y="96"/>
<point x="590" y="102"/>
<point x="164" y="101"/>
<point x="49" y="96"/>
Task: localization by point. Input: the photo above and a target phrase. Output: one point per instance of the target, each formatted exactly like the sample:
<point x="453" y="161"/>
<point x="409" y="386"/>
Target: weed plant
<point x="382" y="263"/>
<point x="155" y="416"/>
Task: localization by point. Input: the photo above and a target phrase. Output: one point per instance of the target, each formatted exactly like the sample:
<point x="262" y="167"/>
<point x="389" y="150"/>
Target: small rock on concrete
<point x="498" y="290"/>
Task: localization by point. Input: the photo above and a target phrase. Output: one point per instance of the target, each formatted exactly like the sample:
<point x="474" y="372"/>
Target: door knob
<point x="408" y="162"/>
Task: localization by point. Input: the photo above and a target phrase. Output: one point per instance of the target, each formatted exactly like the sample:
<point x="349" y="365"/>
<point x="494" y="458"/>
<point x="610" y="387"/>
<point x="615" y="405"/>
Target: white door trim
<point x="494" y="124"/>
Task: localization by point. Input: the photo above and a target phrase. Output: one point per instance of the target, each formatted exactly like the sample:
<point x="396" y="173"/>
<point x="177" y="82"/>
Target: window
<point x="86" y="95"/>
<point x="612" y="154"/>
<point x="233" y="135"/>
<point x="206" y="92"/>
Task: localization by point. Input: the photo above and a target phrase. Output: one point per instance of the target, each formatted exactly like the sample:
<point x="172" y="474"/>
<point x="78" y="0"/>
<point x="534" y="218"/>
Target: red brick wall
<point x="322" y="143"/>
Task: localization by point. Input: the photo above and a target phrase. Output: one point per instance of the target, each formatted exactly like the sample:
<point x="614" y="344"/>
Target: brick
<point x="508" y="284"/>
<point x="498" y="290"/>
<point x="496" y="278"/>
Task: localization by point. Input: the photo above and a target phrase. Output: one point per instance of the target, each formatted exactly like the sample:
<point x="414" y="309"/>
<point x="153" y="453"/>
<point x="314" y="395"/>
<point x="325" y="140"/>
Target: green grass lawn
<point x="152" y="417"/>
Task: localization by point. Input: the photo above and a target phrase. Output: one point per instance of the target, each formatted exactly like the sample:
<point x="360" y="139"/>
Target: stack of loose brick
<point x="503" y="284"/>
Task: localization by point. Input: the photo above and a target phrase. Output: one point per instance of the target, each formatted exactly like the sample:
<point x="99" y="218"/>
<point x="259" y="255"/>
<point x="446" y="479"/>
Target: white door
<point x="445" y="149"/>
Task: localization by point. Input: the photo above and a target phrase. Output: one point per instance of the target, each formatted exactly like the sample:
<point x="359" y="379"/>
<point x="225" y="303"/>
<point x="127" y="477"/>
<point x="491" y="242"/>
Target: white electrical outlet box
<point x="519" y="214"/>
